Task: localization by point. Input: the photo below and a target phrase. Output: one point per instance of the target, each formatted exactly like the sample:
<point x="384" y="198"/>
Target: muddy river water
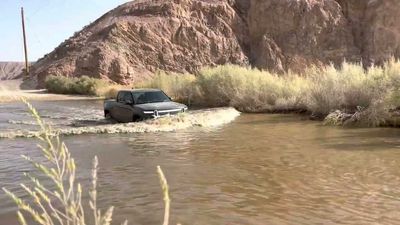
<point x="250" y="169"/>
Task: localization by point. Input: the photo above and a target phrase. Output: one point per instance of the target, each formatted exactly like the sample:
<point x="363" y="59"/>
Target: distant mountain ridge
<point x="10" y="70"/>
<point x="134" y="40"/>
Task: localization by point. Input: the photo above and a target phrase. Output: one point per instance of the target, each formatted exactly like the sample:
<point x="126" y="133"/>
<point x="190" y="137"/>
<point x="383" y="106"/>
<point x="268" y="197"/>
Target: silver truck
<point x="140" y="104"/>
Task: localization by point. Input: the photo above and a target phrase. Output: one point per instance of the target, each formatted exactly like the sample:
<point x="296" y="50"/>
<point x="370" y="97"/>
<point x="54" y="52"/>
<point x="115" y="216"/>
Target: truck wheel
<point x="107" y="114"/>
<point x="136" y="118"/>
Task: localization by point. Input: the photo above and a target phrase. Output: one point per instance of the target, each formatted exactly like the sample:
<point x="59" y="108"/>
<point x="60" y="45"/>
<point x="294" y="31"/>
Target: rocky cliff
<point x="134" y="40"/>
<point x="10" y="70"/>
<point x="375" y="27"/>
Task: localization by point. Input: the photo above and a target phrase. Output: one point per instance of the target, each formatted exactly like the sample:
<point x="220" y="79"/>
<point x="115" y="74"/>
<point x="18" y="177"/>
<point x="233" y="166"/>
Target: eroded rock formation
<point x="138" y="38"/>
<point x="375" y="27"/>
<point x="134" y="40"/>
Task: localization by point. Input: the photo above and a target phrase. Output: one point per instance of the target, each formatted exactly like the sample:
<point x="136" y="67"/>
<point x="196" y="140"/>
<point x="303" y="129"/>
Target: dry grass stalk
<point x="167" y="200"/>
<point x="318" y="91"/>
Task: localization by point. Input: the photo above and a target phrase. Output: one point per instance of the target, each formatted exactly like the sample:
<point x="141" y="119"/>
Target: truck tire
<point x="136" y="118"/>
<point x="107" y="114"/>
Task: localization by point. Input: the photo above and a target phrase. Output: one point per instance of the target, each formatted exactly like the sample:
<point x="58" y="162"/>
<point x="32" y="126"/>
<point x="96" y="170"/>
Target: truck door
<point x="114" y="111"/>
<point x="125" y="108"/>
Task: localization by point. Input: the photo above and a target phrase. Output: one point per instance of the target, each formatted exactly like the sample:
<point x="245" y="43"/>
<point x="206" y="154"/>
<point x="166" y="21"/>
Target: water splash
<point x="21" y="122"/>
<point x="200" y="118"/>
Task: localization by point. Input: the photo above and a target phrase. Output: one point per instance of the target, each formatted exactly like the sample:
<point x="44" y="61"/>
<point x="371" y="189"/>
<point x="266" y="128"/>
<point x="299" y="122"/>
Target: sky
<point x="48" y="23"/>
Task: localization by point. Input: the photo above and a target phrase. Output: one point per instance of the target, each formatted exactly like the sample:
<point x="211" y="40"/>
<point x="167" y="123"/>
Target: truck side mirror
<point x="129" y="102"/>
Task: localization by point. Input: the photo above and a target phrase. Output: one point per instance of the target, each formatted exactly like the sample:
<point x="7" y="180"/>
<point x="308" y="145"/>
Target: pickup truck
<point x="140" y="104"/>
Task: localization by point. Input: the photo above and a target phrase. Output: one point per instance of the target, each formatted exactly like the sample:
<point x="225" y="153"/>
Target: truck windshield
<point x="150" y="97"/>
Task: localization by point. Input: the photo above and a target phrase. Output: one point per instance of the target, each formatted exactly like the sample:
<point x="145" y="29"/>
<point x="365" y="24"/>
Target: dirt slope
<point x="134" y="40"/>
<point x="10" y="70"/>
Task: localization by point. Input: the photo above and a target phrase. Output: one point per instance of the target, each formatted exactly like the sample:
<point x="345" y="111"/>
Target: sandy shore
<point x="10" y="92"/>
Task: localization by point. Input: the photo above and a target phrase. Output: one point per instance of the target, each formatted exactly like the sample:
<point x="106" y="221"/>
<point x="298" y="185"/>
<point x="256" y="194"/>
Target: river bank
<point x="10" y="91"/>
<point x="348" y="96"/>
<point x="355" y="95"/>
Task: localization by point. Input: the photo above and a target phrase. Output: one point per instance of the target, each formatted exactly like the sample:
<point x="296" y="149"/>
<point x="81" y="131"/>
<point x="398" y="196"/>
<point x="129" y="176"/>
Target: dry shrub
<point x="181" y="87"/>
<point x="351" y="89"/>
<point x="250" y="90"/>
<point x="326" y="90"/>
<point x="369" y="94"/>
<point x="110" y="91"/>
<point x="391" y="70"/>
<point x="318" y="91"/>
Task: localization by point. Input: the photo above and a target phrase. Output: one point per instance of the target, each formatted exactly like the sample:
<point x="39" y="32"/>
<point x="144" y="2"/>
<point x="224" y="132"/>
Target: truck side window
<point x="121" y="96"/>
<point x="128" y="97"/>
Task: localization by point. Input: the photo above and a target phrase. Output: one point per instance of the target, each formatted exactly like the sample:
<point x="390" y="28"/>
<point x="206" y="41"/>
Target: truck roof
<point x="141" y="90"/>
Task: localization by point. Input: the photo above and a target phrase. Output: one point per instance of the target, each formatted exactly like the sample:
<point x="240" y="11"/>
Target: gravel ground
<point x="10" y="91"/>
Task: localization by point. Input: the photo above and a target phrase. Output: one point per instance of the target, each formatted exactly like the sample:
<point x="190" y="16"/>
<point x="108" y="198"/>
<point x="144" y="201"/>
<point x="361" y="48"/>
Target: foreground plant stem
<point x="167" y="200"/>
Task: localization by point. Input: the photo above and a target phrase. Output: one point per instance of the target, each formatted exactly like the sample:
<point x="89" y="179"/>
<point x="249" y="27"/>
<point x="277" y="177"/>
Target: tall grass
<point x="181" y="87"/>
<point x="373" y="93"/>
<point x="250" y="90"/>
<point x="349" y="88"/>
<point x="62" y="205"/>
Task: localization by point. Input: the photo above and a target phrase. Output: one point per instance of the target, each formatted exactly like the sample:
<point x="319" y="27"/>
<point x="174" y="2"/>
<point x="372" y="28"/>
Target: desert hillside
<point x="134" y="40"/>
<point x="10" y="70"/>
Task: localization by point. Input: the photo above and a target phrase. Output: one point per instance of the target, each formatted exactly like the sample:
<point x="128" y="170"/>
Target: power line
<point x="40" y="8"/>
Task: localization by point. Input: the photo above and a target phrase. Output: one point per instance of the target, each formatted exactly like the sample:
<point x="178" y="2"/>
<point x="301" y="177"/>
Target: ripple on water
<point x="200" y="118"/>
<point x="259" y="169"/>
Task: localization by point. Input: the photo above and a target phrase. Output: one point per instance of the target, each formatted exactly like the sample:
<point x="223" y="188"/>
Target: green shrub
<point x="58" y="84"/>
<point x="86" y="85"/>
<point x="80" y="86"/>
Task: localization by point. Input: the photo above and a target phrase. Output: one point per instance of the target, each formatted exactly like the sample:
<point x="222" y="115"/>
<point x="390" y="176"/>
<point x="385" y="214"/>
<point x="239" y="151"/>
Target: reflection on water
<point x="259" y="169"/>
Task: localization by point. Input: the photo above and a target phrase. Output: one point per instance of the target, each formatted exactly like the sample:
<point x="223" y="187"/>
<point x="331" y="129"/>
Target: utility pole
<point x="25" y="45"/>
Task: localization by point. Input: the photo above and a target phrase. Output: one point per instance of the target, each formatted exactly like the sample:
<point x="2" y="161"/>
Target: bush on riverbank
<point x="319" y="91"/>
<point x="81" y="86"/>
<point x="181" y="87"/>
<point x="250" y="90"/>
<point x="373" y="93"/>
<point x="65" y="85"/>
<point x="370" y="94"/>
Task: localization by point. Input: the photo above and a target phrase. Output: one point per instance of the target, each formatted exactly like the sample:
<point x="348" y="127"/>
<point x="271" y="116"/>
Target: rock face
<point x="375" y="27"/>
<point x="287" y="34"/>
<point x="138" y="38"/>
<point x="10" y="70"/>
